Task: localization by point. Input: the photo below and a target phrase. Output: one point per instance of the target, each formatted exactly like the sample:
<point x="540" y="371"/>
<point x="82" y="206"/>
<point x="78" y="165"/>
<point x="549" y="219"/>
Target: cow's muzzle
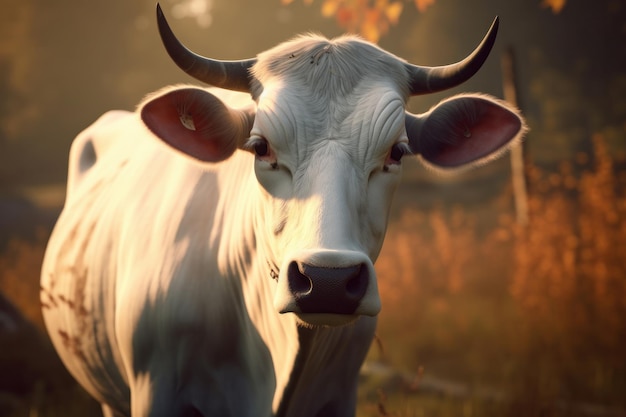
<point x="328" y="283"/>
<point x="318" y="289"/>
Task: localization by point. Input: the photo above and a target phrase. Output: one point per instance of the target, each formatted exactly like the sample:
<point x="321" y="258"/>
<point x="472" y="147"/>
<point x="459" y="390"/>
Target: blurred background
<point x="484" y="313"/>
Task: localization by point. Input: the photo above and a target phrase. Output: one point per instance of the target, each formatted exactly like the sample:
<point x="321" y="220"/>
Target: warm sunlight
<point x="480" y="315"/>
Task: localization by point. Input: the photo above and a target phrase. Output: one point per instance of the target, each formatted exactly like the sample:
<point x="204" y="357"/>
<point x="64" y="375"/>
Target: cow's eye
<point x="259" y="145"/>
<point x="261" y="148"/>
<point x="397" y="152"/>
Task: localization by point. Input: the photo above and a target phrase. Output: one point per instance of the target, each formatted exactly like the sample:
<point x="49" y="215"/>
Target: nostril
<point x="299" y="284"/>
<point x="356" y="286"/>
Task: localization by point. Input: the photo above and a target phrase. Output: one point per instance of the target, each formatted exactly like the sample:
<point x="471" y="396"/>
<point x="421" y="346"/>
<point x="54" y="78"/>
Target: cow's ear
<point x="197" y="123"/>
<point x="464" y="129"/>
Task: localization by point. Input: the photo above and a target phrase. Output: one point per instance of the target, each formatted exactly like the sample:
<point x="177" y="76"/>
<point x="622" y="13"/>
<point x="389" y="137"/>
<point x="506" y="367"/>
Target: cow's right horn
<point x="433" y="79"/>
<point x="231" y="75"/>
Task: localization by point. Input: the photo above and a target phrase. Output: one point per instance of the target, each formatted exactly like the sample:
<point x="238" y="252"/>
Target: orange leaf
<point x="422" y="5"/>
<point x="393" y="12"/>
<point x="344" y="16"/>
<point x="555" y="5"/>
<point x="373" y="25"/>
<point x="286" y="2"/>
<point x="329" y="8"/>
<point x="370" y="31"/>
<point x="372" y="16"/>
<point x="381" y="4"/>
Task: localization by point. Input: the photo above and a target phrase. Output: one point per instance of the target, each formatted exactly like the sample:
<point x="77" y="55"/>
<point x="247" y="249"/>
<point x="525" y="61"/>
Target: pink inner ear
<point x="467" y="129"/>
<point x="194" y="122"/>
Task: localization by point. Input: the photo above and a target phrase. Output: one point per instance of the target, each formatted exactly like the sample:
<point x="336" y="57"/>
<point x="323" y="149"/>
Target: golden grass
<point x="20" y="266"/>
<point x="537" y="311"/>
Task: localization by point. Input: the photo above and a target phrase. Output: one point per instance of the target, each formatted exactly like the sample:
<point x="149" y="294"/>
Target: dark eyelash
<point x="251" y="142"/>
<point x="405" y="148"/>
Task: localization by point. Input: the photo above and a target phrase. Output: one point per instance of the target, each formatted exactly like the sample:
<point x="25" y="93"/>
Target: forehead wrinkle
<point x="376" y="123"/>
<point x="294" y="124"/>
<point x="326" y="73"/>
<point x="278" y="122"/>
<point x="389" y="108"/>
<point x="363" y="121"/>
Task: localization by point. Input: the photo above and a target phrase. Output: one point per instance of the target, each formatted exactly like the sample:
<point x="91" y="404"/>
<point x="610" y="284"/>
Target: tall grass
<point x="536" y="314"/>
<point x="570" y="280"/>
<point x="20" y="265"/>
<point x="33" y="381"/>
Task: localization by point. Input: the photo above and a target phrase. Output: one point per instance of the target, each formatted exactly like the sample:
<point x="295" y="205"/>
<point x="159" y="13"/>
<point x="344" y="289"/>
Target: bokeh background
<point x="482" y="315"/>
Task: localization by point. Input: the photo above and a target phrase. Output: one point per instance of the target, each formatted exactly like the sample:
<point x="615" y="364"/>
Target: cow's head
<point x="329" y="132"/>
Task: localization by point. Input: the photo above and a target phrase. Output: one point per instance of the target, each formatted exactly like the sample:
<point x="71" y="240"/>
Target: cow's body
<point x="243" y="285"/>
<point x="150" y="251"/>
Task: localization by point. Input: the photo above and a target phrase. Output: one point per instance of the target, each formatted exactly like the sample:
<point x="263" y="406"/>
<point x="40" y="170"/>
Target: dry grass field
<point x="481" y="316"/>
<point x="516" y="321"/>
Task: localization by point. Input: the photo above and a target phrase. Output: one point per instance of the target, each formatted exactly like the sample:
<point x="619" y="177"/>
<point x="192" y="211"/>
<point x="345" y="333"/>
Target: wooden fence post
<point x="518" y="174"/>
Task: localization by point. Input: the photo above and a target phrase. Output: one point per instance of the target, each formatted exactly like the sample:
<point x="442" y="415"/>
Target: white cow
<point x="231" y="272"/>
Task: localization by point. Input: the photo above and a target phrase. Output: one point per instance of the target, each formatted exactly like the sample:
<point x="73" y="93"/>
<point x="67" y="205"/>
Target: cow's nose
<point x="329" y="290"/>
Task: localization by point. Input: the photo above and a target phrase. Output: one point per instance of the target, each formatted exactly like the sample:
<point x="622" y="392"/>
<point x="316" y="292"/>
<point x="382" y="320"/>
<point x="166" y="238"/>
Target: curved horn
<point x="231" y="75"/>
<point x="432" y="79"/>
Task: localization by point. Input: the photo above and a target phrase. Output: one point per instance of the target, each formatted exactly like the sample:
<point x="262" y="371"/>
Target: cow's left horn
<point x="433" y="79"/>
<point x="231" y="75"/>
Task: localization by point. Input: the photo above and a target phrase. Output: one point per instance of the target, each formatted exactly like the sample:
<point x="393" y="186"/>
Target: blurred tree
<point x="16" y="58"/>
<point x="373" y="18"/>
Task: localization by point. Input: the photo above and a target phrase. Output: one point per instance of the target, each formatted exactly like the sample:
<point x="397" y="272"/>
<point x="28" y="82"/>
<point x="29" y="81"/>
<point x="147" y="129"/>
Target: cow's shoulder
<point x="94" y="142"/>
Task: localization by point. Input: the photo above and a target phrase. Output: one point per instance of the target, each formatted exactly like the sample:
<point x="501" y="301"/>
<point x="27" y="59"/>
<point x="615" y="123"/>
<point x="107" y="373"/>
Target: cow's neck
<point x="242" y="257"/>
<point x="300" y="356"/>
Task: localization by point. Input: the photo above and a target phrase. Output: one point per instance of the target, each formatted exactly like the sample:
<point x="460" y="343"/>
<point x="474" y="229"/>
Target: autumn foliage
<point x="537" y="310"/>
<point x="370" y="19"/>
<point x="373" y="18"/>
